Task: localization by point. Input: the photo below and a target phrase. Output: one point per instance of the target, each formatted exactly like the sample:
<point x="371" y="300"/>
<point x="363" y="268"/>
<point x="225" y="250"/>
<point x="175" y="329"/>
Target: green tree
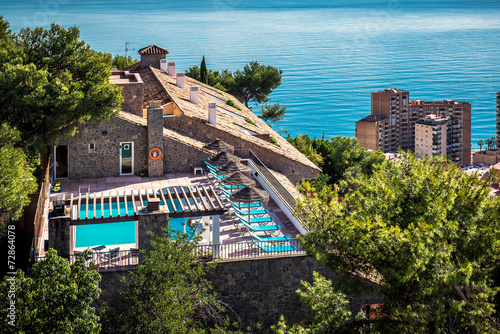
<point x="488" y="143"/>
<point x="57" y="298"/>
<point x="16" y="178"/>
<point x="255" y="82"/>
<point x="426" y="233"/>
<point x="272" y="113"/>
<point x="203" y="71"/>
<point x="331" y="309"/>
<point x="51" y="82"/>
<point x="480" y="143"/>
<point x="168" y="293"/>
<point x="4" y="28"/>
<point x="121" y="62"/>
<point x="493" y="142"/>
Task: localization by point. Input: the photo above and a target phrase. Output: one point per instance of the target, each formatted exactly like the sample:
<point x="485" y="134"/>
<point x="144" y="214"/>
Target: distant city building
<point x="486" y="157"/>
<point x="433" y="136"/>
<point x="391" y="125"/>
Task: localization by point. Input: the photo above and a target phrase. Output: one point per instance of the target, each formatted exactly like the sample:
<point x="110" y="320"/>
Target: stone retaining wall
<point x="258" y="290"/>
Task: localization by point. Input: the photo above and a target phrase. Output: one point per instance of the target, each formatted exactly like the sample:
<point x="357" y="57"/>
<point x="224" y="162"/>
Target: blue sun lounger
<point x="252" y="212"/>
<point x="261" y="228"/>
<point x="269" y="239"/>
<point x="269" y="249"/>
<point x="254" y="220"/>
<point x="245" y="205"/>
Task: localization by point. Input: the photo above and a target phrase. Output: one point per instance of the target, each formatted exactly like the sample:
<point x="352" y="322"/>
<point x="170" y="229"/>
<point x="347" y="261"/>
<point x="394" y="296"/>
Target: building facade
<point x="433" y="136"/>
<point x="397" y="117"/>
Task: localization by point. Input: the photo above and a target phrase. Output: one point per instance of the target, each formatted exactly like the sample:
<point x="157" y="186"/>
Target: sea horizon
<point x="333" y="54"/>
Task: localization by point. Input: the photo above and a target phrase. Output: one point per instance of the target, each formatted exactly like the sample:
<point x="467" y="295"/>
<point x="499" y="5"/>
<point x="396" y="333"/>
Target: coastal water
<point x="332" y="53"/>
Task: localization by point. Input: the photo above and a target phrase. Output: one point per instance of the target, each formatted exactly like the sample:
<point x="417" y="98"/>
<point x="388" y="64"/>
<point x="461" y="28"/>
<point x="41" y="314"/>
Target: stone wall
<point x="155" y="139"/>
<point x="257" y="290"/>
<point x="133" y="96"/>
<point x="105" y="160"/>
<point x="180" y="158"/>
<point x="152" y="60"/>
<point x="60" y="236"/>
<point x="150" y="222"/>
<point x="293" y="170"/>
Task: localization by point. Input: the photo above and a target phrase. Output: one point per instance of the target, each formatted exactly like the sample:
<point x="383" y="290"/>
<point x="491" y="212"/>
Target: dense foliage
<point x="121" y="62"/>
<point x="16" y="178"/>
<point x="51" y="82"/>
<point x="341" y="159"/>
<point x="272" y="113"/>
<point x="254" y="83"/>
<point x="57" y="298"/>
<point x="168" y="293"/>
<point x="425" y="232"/>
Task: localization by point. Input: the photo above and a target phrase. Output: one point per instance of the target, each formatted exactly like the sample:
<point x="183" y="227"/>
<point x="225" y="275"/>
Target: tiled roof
<point x="188" y="141"/>
<point x="225" y="122"/>
<point x="152" y="49"/>
<point x="153" y="90"/>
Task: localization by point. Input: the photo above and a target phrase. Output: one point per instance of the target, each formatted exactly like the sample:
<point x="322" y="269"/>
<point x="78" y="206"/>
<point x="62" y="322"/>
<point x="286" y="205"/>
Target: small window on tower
<point x="91" y="147"/>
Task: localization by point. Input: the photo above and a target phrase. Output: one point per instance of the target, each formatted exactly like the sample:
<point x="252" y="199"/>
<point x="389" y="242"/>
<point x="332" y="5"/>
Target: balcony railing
<point x="287" y="198"/>
<point x="103" y="261"/>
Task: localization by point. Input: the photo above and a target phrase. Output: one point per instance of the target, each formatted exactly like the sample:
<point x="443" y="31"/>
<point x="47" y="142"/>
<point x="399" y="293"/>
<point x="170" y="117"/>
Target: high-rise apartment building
<point x="433" y="136"/>
<point x="393" y="118"/>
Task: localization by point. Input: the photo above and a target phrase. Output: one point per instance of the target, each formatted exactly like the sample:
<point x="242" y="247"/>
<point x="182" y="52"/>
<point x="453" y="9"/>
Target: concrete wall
<point x="293" y="170"/>
<point x="258" y="290"/>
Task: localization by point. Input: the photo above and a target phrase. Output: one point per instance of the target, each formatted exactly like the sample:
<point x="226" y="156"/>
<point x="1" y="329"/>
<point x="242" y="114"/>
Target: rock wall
<point x="105" y="160"/>
<point x="257" y="290"/>
<point x="60" y="235"/>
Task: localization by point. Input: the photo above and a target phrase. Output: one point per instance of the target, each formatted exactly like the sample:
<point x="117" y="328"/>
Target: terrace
<point x="118" y="201"/>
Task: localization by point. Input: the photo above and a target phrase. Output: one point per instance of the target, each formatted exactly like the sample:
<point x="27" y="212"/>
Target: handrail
<point x="287" y="198"/>
<point x="103" y="261"/>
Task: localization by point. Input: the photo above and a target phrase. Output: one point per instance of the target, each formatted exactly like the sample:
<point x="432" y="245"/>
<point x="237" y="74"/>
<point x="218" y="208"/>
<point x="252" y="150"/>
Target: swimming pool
<point x="117" y="233"/>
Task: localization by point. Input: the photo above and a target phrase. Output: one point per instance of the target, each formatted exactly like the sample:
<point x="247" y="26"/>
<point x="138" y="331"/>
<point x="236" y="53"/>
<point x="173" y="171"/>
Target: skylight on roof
<point x="250" y="132"/>
<point x="225" y="111"/>
<point x="214" y="97"/>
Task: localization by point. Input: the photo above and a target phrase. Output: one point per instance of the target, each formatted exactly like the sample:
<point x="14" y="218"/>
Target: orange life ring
<point x="155" y="153"/>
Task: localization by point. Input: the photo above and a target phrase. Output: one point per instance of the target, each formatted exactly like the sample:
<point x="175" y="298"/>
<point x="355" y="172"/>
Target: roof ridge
<point x="152" y="49"/>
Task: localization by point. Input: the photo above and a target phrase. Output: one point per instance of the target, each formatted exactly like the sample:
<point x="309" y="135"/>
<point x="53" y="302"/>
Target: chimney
<point x="212" y="113"/>
<point x="155" y="139"/>
<point x="194" y="96"/>
<point x="180" y="79"/>
<point x="163" y="65"/>
<point x="171" y="69"/>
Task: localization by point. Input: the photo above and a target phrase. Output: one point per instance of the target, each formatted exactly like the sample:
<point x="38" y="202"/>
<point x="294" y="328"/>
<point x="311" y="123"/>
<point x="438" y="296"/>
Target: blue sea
<point x="332" y="53"/>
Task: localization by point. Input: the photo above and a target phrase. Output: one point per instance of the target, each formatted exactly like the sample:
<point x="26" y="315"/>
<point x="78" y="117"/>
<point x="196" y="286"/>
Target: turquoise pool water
<point x="117" y="233"/>
<point x="105" y="234"/>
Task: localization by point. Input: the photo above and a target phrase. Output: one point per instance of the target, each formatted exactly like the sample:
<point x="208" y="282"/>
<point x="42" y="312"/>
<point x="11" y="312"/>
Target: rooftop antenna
<point x="127" y="49"/>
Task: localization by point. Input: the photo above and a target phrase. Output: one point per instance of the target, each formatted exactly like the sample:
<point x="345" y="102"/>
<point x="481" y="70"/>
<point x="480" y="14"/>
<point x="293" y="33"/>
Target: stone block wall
<point x="60" y="236"/>
<point x="180" y="158"/>
<point x="152" y="60"/>
<point x="150" y="222"/>
<point x="293" y="170"/>
<point x="133" y="96"/>
<point x="155" y="139"/>
<point x="257" y="290"/>
<point x="105" y="160"/>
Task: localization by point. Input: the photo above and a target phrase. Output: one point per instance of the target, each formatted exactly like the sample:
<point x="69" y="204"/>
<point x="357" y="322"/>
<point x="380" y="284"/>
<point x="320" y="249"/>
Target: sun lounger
<point x="245" y="205"/>
<point x="265" y="246"/>
<point x="260" y="228"/>
<point x="254" y="220"/>
<point x="252" y="212"/>
<point x="269" y="239"/>
<point x="98" y="248"/>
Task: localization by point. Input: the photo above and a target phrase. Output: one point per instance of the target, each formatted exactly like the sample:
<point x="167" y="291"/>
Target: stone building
<point x="187" y="115"/>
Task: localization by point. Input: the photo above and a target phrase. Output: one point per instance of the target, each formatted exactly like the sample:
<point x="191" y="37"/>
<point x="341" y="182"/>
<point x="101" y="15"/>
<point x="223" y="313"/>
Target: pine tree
<point x="203" y="72"/>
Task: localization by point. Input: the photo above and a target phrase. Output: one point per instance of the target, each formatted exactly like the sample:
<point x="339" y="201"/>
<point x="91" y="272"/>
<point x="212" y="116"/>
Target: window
<point x="91" y="147"/>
